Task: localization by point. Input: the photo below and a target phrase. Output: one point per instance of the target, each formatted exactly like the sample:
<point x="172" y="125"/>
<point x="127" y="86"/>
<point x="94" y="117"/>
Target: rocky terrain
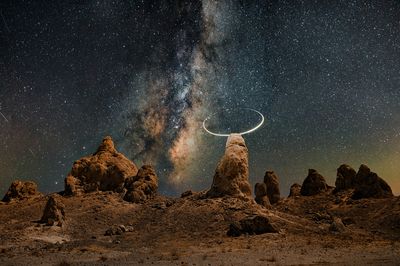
<point x="111" y="214"/>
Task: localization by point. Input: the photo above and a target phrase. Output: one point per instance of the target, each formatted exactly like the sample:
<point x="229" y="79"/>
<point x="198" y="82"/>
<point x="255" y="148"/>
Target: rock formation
<point x="20" y="190"/>
<point x="105" y="170"/>
<point x="313" y="184"/>
<point x="54" y="212"/>
<point x="272" y="182"/>
<point x="142" y="186"/>
<point x="368" y="184"/>
<point x="295" y="190"/>
<point x="260" y="190"/>
<point x="232" y="173"/>
<point x="344" y="178"/>
<point x="255" y="224"/>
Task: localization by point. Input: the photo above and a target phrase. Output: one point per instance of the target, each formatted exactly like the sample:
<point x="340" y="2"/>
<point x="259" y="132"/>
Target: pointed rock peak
<point x="312" y="172"/>
<point x="364" y="169"/>
<point x="235" y="139"/>
<point x="106" y="146"/>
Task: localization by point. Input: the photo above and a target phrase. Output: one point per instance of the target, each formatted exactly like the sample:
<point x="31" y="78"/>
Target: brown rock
<point x="337" y="225"/>
<point x="368" y="184"/>
<point x="54" y="212"/>
<point x="345" y="178"/>
<point x="255" y="224"/>
<point x="105" y="170"/>
<point x="187" y="194"/>
<point x="232" y="174"/>
<point x="260" y="190"/>
<point x="20" y="190"/>
<point x="142" y="186"/>
<point x="313" y="184"/>
<point x="295" y="190"/>
<point x="272" y="182"/>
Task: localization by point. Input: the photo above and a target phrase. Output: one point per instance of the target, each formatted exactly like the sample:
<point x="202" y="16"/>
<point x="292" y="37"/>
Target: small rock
<point x="337" y="225"/>
<point x="255" y="224"/>
<point x="186" y="194"/>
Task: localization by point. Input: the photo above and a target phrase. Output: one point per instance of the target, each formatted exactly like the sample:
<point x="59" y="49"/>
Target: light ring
<point x="242" y="133"/>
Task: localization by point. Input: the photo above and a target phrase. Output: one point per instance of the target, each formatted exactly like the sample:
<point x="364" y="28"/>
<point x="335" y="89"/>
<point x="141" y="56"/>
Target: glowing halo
<point x="241" y="133"/>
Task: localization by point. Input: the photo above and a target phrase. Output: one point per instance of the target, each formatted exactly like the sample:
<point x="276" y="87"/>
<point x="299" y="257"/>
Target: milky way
<point x="325" y="75"/>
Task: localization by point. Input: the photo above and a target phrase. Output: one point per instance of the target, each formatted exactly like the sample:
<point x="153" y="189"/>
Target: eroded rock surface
<point x="232" y="174"/>
<point x="368" y="184"/>
<point x="142" y="186"/>
<point x="260" y="190"/>
<point x="54" y="212"/>
<point x="313" y="184"/>
<point x="105" y="170"/>
<point x="272" y="182"/>
<point x="20" y="190"/>
<point x="295" y="190"/>
<point x="254" y="224"/>
<point x="345" y="178"/>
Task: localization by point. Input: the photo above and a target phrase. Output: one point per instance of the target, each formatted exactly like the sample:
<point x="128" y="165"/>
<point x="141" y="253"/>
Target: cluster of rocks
<point x="268" y="191"/>
<point x="363" y="184"/>
<point x="118" y="230"/>
<point x="109" y="170"/>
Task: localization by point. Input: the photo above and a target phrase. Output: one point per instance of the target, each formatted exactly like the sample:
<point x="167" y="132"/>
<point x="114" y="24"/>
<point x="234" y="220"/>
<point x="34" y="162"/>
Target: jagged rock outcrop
<point x="344" y="178"/>
<point x="54" y="212"/>
<point x="272" y="182"/>
<point x="260" y="190"/>
<point x="232" y="174"/>
<point x="142" y="186"/>
<point x="295" y="190"/>
<point x="255" y="224"/>
<point x="368" y="184"/>
<point x="313" y="184"/>
<point x="20" y="190"/>
<point x="105" y="170"/>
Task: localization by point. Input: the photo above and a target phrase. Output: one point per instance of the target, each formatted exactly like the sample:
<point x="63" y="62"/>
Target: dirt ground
<point x="192" y="231"/>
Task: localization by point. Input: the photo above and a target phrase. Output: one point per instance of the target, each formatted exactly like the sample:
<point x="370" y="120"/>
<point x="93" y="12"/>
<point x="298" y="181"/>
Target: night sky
<point x="325" y="74"/>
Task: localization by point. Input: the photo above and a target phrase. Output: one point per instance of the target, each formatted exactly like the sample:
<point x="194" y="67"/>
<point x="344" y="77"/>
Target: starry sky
<point x="325" y="74"/>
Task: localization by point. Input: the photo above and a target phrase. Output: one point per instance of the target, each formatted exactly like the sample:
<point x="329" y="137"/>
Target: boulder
<point x="313" y="184"/>
<point x="254" y="224"/>
<point x="272" y="182"/>
<point x="260" y="190"/>
<point x="344" y="178"/>
<point x="337" y="225"/>
<point x="20" y="190"/>
<point x="368" y="184"/>
<point x="105" y="170"/>
<point x="142" y="186"/>
<point x="54" y="212"/>
<point x="231" y="177"/>
<point x="295" y="190"/>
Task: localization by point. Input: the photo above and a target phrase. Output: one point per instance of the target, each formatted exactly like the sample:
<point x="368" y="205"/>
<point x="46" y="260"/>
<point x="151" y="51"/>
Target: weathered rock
<point x="54" y="212"/>
<point x="260" y="190"/>
<point x="255" y="224"/>
<point x="272" y="182"/>
<point x="20" y="190"/>
<point x="344" y="178"/>
<point x="295" y="190"/>
<point x="142" y="186"/>
<point x="313" y="184"/>
<point x="187" y="194"/>
<point x="118" y="230"/>
<point x="105" y="170"/>
<point x="232" y="174"/>
<point x="337" y="225"/>
<point x="368" y="184"/>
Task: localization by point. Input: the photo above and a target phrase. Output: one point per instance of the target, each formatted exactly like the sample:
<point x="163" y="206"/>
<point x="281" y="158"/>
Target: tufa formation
<point x="105" y="170"/>
<point x="20" y="190"/>
<point x="313" y="184"/>
<point x="232" y="174"/>
<point x="54" y="212"/>
<point x="142" y="186"/>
